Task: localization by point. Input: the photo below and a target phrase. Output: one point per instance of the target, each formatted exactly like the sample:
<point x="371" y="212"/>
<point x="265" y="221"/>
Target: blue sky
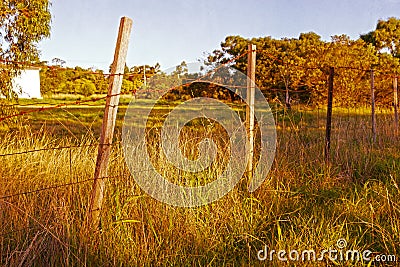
<point x="84" y="31"/>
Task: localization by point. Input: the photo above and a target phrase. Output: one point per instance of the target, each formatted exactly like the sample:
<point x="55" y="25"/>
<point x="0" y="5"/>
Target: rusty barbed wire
<point x="108" y="177"/>
<point x="54" y="148"/>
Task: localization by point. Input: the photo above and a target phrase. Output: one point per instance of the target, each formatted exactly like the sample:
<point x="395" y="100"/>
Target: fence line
<point x="78" y="146"/>
<point x="134" y="92"/>
<point x="82" y="102"/>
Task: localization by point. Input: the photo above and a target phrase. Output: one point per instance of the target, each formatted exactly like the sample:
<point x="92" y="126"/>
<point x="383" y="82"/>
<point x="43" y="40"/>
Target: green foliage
<point x="139" y="75"/>
<point x="163" y="82"/>
<point x="297" y="68"/>
<point x="88" y="88"/>
<point x="387" y="35"/>
<point x="351" y="84"/>
<point x="58" y="80"/>
<point x="76" y="80"/>
<point x="127" y="86"/>
<point x="22" y="25"/>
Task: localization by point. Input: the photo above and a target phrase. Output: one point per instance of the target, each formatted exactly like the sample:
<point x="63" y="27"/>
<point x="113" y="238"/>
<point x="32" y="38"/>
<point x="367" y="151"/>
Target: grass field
<point x="303" y="204"/>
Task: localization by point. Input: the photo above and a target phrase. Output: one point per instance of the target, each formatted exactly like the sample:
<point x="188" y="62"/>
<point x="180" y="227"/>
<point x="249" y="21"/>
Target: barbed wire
<point x="55" y="148"/>
<point x="55" y="187"/>
<point x="78" y="102"/>
<point x="76" y="183"/>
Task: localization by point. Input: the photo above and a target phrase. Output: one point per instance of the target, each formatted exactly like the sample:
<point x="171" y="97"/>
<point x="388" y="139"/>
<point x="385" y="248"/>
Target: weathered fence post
<point x="329" y="116"/>
<point x="373" y="116"/>
<point x="396" y="106"/>
<point x="110" y="114"/>
<point x="251" y="77"/>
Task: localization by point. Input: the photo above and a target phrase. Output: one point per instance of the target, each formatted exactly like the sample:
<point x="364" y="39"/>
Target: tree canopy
<point x="56" y="79"/>
<point x="23" y="24"/>
<point x="296" y="68"/>
<point x="385" y="36"/>
<point x="287" y="70"/>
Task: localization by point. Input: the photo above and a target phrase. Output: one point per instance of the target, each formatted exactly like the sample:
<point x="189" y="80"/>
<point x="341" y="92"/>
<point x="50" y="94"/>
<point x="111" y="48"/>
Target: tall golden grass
<point x="303" y="204"/>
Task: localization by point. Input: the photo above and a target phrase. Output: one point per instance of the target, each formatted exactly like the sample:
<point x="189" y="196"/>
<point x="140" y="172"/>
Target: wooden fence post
<point x="396" y="106"/>
<point x="251" y="77"/>
<point x="373" y="116"/>
<point x="110" y="114"/>
<point x="329" y="116"/>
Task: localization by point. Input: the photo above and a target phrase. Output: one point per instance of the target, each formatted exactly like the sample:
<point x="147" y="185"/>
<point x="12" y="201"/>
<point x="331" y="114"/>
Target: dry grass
<point x="303" y="204"/>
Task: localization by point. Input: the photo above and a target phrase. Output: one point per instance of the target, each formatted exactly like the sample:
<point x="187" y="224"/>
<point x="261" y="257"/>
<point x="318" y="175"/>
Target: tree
<point x="71" y="80"/>
<point x="287" y="65"/>
<point x="352" y="61"/>
<point x="181" y="69"/>
<point x="298" y="68"/>
<point x="369" y="38"/>
<point x="127" y="86"/>
<point x="58" y="62"/>
<point x="385" y="36"/>
<point x="22" y="25"/>
<point x="139" y="75"/>
<point x="276" y="66"/>
<point x="162" y="82"/>
<point x="313" y="50"/>
<point x="88" y="88"/>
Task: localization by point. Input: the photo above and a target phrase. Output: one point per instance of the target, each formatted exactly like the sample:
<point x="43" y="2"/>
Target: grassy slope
<point x="303" y="204"/>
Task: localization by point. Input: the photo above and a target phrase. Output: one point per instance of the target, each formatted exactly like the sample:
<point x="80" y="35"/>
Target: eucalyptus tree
<point x="23" y="24"/>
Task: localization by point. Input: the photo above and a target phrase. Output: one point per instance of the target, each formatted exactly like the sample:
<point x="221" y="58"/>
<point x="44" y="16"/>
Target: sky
<point x="84" y="32"/>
